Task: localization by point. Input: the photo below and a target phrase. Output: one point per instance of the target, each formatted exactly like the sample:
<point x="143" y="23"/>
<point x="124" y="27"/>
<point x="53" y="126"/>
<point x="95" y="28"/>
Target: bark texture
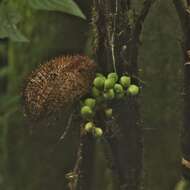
<point x="117" y="30"/>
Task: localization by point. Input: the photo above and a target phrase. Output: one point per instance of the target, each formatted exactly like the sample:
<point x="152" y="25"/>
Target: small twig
<point x="73" y="176"/>
<point x="135" y="35"/>
<point x="140" y="20"/>
<point x="112" y="40"/>
<point x="113" y="52"/>
<point x="69" y="122"/>
<point x="182" y="7"/>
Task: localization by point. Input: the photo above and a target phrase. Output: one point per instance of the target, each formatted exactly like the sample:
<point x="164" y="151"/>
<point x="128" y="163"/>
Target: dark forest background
<point x="34" y="160"/>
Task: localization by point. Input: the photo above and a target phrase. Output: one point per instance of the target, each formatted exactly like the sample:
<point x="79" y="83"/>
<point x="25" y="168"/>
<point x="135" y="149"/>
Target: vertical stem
<point x="112" y="41"/>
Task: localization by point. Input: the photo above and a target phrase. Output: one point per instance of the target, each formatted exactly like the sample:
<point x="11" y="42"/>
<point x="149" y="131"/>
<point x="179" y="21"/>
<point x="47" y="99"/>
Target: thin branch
<point x="112" y="41"/>
<point x="69" y="122"/>
<point x="140" y="20"/>
<point x="184" y="16"/>
<point x="181" y="7"/>
<point x="135" y="35"/>
<point x="73" y="176"/>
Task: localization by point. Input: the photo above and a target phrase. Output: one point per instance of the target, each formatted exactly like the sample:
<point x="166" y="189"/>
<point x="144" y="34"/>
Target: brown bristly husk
<point x="58" y="83"/>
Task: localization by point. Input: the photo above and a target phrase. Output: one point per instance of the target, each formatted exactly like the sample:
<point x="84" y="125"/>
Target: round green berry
<point x="98" y="132"/>
<point x="86" y="112"/>
<point x="99" y="82"/>
<point x="118" y="88"/>
<point x="125" y="81"/>
<point x="109" y="112"/>
<point x="100" y="75"/>
<point x="95" y="92"/>
<point x="114" y="76"/>
<point x="133" y="90"/>
<point x="91" y="102"/>
<point x="109" y="83"/>
<point x="89" y="126"/>
<point x="109" y="95"/>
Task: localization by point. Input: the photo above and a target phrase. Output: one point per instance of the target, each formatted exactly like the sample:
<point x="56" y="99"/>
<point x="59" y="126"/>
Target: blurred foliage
<point x="10" y="16"/>
<point x="162" y="101"/>
<point x="66" y="6"/>
<point x="30" y="158"/>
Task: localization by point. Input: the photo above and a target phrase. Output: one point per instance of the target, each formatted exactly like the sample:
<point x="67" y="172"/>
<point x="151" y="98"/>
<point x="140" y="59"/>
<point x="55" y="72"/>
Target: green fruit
<point x="98" y="132"/>
<point x="89" y="126"/>
<point x="118" y="88"/>
<point x="99" y="82"/>
<point x="95" y="92"/>
<point x="100" y="75"/>
<point x="109" y="112"/>
<point x="109" y="83"/>
<point x="133" y="90"/>
<point x="125" y="81"/>
<point x="109" y="95"/>
<point x="114" y="76"/>
<point x="86" y="112"/>
<point x="183" y="184"/>
<point x="91" y="102"/>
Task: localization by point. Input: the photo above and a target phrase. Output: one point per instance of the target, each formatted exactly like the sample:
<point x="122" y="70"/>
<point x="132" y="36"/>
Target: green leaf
<point x="15" y="35"/>
<point x="66" y="6"/>
<point x="9" y="18"/>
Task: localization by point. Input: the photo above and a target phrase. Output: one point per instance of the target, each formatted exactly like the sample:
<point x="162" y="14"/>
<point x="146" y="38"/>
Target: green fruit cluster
<point x="87" y="112"/>
<point x="105" y="89"/>
<point x="90" y="127"/>
<point x="113" y="86"/>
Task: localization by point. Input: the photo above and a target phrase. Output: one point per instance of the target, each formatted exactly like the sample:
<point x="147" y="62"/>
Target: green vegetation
<point x="105" y="90"/>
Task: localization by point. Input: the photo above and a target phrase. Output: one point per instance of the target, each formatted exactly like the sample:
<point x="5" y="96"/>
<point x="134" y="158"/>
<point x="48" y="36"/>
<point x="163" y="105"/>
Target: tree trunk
<point x="117" y="30"/>
<point x="182" y="8"/>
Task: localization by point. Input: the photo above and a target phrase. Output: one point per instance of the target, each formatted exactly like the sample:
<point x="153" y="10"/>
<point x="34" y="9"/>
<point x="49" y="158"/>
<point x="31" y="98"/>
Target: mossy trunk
<point x="117" y="30"/>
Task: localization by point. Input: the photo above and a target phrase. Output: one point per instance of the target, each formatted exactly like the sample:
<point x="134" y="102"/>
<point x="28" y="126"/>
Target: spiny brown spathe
<point x="58" y="83"/>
